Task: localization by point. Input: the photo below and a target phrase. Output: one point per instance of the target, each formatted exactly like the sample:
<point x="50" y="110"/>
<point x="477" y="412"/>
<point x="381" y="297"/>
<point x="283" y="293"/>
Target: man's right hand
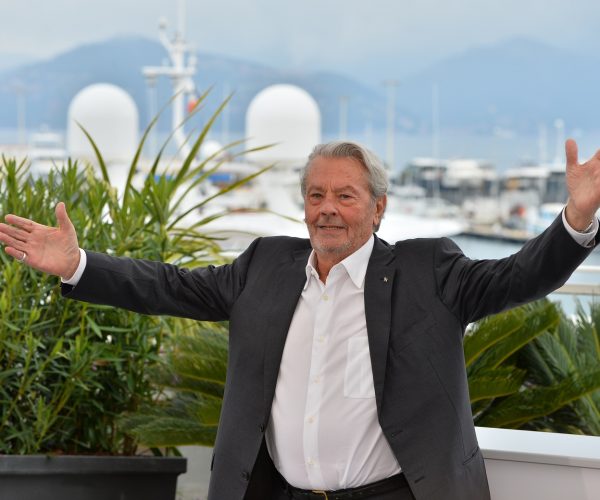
<point x="48" y="249"/>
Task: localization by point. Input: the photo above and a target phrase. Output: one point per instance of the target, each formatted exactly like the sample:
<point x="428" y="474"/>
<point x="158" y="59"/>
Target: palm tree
<point x="535" y="368"/>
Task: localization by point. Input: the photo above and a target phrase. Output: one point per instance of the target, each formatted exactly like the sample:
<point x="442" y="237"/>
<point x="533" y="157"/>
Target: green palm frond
<point x="495" y="383"/>
<point x="193" y="382"/>
<point x="489" y="331"/>
<point x="536" y="402"/>
<point x="164" y="431"/>
<point x="504" y="334"/>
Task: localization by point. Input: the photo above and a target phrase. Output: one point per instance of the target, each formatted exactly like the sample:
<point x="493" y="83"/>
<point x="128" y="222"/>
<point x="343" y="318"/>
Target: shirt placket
<point x="323" y="311"/>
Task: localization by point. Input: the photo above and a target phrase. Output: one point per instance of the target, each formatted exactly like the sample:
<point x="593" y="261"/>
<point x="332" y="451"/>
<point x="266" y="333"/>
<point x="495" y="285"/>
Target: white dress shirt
<point x="324" y="433"/>
<point x="584" y="238"/>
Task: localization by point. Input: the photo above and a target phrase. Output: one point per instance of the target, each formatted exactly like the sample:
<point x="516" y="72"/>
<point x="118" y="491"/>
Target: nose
<point x="328" y="206"/>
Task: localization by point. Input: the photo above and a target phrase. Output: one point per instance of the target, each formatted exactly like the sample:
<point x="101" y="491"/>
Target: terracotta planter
<point x="38" y="477"/>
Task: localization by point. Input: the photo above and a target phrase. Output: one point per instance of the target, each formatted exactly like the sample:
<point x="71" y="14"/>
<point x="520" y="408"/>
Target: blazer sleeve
<point x="150" y="287"/>
<point x="472" y="289"/>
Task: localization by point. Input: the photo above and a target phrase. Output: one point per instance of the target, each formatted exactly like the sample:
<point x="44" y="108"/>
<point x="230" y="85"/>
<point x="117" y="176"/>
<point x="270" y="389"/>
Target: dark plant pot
<point x="37" y="477"/>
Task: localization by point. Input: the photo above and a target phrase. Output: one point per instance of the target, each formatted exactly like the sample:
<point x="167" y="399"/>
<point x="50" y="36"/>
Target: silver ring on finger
<point x="22" y="259"/>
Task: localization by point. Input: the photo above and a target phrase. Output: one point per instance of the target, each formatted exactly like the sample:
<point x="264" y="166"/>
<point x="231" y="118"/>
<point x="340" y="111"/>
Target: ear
<point x="380" y="205"/>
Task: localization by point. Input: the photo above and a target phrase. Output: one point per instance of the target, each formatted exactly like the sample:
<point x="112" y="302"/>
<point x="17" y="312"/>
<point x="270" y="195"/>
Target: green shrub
<point x="69" y="369"/>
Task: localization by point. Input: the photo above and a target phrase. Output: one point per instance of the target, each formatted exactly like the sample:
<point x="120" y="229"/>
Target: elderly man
<point x="346" y="374"/>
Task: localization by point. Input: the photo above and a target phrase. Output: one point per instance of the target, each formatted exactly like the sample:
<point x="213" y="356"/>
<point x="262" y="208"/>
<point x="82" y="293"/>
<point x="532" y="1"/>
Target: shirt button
<point x="321" y="339"/>
<point x="310" y="461"/>
<point x="310" y="420"/>
<point x="317" y="379"/>
<point x="325" y="297"/>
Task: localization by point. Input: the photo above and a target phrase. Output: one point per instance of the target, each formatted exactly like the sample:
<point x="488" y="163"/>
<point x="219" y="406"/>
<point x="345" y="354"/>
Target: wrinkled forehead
<point x="336" y="170"/>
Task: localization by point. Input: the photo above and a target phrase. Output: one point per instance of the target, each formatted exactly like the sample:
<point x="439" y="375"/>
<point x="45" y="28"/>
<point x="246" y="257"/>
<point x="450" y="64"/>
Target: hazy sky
<point x="378" y="38"/>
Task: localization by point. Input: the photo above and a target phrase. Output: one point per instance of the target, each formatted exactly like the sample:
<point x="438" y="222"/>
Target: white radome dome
<point x="209" y="148"/>
<point x="110" y="116"/>
<point x="287" y="116"/>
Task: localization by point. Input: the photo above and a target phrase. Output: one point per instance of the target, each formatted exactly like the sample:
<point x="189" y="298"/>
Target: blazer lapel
<point x="288" y="285"/>
<point x="379" y="282"/>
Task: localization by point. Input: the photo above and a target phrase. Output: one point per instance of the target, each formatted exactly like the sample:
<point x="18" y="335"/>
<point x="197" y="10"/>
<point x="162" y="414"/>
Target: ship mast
<point x="181" y="68"/>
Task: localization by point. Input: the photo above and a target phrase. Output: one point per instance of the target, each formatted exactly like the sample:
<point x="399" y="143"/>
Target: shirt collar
<point x="355" y="264"/>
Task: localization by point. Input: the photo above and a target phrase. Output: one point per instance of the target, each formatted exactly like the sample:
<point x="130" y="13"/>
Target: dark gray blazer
<point x="419" y="297"/>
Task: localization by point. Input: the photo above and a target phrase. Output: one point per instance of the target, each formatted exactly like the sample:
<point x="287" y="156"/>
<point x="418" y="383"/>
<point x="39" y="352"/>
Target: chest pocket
<point x="358" y="380"/>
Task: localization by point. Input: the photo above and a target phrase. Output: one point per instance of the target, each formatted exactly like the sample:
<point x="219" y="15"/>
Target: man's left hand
<point x="583" y="185"/>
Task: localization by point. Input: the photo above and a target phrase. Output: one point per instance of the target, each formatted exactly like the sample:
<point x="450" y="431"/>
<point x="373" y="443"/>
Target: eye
<point x="315" y="196"/>
<point x="345" y="196"/>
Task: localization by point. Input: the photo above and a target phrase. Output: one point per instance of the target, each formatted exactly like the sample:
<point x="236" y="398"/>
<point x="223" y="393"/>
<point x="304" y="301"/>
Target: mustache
<point x="327" y="221"/>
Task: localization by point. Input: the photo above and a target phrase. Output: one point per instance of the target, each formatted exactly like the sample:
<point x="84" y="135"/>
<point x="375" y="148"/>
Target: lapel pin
<point x="385" y="279"/>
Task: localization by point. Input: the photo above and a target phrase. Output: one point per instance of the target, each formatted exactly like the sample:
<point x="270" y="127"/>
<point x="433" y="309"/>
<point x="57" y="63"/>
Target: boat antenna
<point x="391" y="86"/>
<point x="559" y="125"/>
<point x="180" y="68"/>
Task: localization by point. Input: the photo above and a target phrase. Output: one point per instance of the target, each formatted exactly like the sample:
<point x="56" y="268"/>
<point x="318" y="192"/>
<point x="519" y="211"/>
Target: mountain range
<point x="516" y="85"/>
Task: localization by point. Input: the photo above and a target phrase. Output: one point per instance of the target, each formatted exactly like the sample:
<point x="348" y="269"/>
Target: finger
<point x="21" y="222"/>
<point x="11" y="242"/>
<point x="571" y="151"/>
<point x="14" y="232"/>
<point x="14" y="251"/>
<point x="62" y="217"/>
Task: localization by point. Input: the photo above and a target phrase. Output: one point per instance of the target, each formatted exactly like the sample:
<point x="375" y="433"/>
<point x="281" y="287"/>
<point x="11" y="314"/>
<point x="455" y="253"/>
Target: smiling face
<point x="339" y="210"/>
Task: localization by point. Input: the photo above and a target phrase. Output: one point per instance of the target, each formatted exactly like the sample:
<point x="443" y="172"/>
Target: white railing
<point x="582" y="288"/>
<point x="528" y="465"/>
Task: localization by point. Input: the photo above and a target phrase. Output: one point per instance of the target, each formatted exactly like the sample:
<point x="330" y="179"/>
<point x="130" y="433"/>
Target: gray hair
<point x="376" y="174"/>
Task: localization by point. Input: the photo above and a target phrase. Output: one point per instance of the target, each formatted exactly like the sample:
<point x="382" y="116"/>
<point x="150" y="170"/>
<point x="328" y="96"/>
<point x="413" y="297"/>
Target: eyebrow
<point x="348" y="187"/>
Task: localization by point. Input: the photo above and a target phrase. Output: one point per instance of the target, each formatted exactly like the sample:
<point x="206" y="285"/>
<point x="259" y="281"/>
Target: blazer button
<point x="262" y="428"/>
<point x="246" y="476"/>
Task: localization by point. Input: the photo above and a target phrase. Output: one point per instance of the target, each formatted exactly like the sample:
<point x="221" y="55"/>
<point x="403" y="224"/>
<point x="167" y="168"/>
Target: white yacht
<point x="45" y="151"/>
